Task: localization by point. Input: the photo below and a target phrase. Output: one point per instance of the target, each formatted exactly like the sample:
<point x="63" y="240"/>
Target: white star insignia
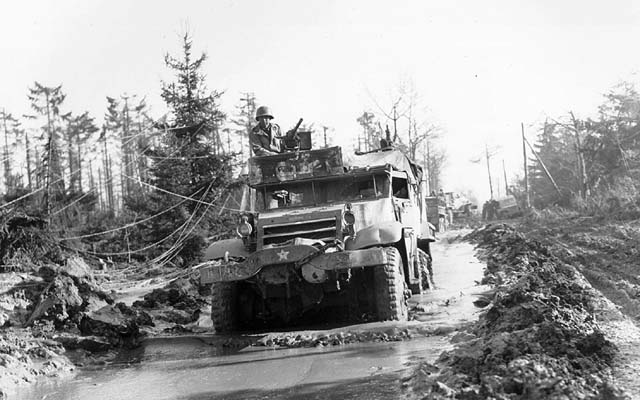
<point x="283" y="255"/>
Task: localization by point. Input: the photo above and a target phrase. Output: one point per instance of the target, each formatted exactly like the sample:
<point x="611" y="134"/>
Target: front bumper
<point x="299" y="255"/>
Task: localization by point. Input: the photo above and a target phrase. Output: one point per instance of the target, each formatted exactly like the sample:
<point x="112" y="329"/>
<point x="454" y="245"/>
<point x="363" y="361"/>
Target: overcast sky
<point x="481" y="67"/>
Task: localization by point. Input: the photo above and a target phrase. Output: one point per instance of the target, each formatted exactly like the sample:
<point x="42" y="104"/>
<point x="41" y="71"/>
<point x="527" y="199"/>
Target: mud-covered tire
<point x="389" y="285"/>
<point x="426" y="271"/>
<point x="223" y="310"/>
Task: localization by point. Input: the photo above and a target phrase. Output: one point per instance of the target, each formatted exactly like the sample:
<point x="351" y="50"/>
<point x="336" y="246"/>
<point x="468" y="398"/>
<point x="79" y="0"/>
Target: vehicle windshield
<point x="342" y="189"/>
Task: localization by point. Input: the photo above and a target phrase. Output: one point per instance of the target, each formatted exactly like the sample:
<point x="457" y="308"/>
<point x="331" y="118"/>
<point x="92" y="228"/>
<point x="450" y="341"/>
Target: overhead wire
<point x="124" y="253"/>
<point x="167" y="255"/>
<point x="184" y="229"/>
<point x="129" y="225"/>
<point x="195" y="210"/>
<point x="163" y="258"/>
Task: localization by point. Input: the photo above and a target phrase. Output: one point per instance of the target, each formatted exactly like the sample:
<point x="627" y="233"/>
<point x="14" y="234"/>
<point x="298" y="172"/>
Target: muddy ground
<point x="323" y="361"/>
<point x="560" y="321"/>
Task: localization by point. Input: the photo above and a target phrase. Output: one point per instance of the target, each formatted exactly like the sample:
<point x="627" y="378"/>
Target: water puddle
<point x="191" y="368"/>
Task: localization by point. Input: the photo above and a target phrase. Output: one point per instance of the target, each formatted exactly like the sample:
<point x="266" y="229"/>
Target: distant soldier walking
<point x="265" y="138"/>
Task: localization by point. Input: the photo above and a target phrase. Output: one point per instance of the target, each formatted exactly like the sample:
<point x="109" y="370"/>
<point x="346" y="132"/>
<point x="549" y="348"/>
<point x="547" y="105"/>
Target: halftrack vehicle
<point x="323" y="234"/>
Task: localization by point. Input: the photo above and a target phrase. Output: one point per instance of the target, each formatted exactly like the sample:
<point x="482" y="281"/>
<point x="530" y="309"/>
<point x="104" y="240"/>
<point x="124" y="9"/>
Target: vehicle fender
<point x="217" y="250"/>
<point x="378" y="234"/>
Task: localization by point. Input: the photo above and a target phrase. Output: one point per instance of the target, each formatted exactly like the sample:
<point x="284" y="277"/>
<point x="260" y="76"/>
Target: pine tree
<point x="189" y="161"/>
<point x="46" y="101"/>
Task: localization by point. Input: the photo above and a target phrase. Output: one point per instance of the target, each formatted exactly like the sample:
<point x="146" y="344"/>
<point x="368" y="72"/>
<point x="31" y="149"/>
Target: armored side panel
<point x="295" y="165"/>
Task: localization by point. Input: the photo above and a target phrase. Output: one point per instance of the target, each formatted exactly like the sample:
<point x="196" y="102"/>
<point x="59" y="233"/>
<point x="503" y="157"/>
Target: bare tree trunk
<point x="72" y="176"/>
<point x="108" y="189"/>
<point x="79" y="163"/>
<point x="7" y="164"/>
<point x="124" y="170"/>
<point x="527" y="198"/>
<point x="582" y="170"/>
<point x="92" y="184"/>
<point x="47" y="179"/>
<point x="142" y="161"/>
<point x="112" y="197"/>
<point x="101" y="200"/>
<point x="28" y="156"/>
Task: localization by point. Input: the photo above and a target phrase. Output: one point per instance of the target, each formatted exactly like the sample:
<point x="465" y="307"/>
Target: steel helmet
<point x="263" y="111"/>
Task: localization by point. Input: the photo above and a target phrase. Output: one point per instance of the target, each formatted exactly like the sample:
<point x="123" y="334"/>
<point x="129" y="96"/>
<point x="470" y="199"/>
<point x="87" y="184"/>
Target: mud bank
<point x="537" y="338"/>
<point x="56" y="317"/>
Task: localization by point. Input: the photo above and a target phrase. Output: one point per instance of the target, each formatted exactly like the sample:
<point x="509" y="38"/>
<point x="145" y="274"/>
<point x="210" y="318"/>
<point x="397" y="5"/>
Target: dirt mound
<point x="59" y="307"/>
<point x="538" y="337"/>
<point x="73" y="303"/>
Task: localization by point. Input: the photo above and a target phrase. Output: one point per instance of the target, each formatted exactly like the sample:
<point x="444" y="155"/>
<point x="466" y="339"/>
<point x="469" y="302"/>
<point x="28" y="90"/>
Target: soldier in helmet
<point x="265" y="138"/>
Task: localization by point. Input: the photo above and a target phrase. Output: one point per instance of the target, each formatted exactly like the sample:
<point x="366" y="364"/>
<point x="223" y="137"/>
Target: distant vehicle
<point x="462" y="206"/>
<point x="436" y="213"/>
<point x="507" y="207"/>
<point x="322" y="233"/>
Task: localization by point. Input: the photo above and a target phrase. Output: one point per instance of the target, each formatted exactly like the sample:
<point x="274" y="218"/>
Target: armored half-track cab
<point x="323" y="233"/>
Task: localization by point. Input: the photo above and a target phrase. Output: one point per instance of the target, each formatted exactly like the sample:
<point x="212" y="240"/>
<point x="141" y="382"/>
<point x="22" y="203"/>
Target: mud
<point x="340" y="361"/>
<point x="57" y="317"/>
<point x="539" y="336"/>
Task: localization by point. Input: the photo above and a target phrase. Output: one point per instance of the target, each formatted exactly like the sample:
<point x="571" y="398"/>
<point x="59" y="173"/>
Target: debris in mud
<point x="57" y="307"/>
<point x="179" y="303"/>
<point x="538" y="337"/>
<point x="318" y="339"/>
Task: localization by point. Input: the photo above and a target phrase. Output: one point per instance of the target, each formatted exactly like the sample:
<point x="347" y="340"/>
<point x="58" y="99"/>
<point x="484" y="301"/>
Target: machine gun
<point x="291" y="141"/>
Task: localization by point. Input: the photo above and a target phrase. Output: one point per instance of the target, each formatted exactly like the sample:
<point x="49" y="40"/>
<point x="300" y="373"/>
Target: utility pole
<point x="395" y="126"/>
<point x="527" y="199"/>
<point x="506" y="185"/>
<point x="325" y="135"/>
<point x="486" y="150"/>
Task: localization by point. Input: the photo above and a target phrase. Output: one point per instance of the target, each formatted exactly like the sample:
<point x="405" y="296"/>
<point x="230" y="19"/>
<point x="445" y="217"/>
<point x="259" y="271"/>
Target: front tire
<point x="426" y="270"/>
<point x="223" y="310"/>
<point x="389" y="288"/>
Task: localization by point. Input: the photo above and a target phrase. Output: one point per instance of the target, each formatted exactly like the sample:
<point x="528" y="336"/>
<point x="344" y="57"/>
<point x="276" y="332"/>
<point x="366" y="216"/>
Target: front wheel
<point x="223" y="310"/>
<point x="426" y="270"/>
<point x="389" y="288"/>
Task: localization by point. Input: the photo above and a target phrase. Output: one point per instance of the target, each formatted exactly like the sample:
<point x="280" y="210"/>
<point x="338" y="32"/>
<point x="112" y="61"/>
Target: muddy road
<point x="252" y="367"/>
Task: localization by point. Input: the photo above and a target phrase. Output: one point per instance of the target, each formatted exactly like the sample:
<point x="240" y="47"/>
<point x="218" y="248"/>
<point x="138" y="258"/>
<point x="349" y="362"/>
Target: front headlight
<point x="349" y="219"/>
<point x="244" y="228"/>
